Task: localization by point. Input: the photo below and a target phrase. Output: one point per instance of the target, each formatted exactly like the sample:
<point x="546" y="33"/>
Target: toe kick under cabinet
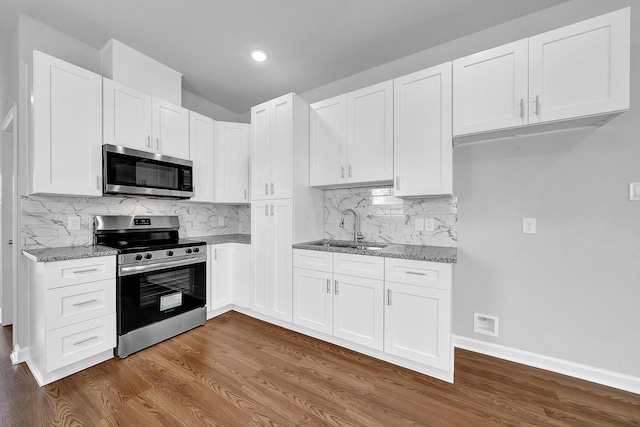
<point x="397" y="310"/>
<point x="72" y="315"/>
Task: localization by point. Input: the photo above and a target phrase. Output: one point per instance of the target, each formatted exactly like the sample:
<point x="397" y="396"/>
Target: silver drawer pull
<point x="328" y="286"/>
<point x="416" y="273"/>
<point x="88" y="270"/>
<point x="389" y="297"/>
<point x="85" y="302"/>
<point x="85" y="340"/>
<point x="335" y="291"/>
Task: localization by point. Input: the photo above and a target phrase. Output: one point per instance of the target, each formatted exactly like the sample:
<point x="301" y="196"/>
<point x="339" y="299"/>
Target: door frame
<point x="10" y="124"/>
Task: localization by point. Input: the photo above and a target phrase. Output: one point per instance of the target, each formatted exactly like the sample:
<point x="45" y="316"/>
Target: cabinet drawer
<point x="72" y="304"/>
<point x="73" y="272"/>
<point x="421" y="273"/>
<point x="371" y="267"/>
<point x="313" y="260"/>
<point x="76" y="342"/>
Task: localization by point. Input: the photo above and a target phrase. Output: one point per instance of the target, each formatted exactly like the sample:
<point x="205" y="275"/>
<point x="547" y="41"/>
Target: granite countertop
<point x="67" y="253"/>
<point x="225" y="238"/>
<point x="415" y="252"/>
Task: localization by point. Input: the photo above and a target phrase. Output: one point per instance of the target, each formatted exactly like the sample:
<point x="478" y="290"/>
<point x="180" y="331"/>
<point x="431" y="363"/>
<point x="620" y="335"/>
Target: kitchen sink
<point x="350" y="245"/>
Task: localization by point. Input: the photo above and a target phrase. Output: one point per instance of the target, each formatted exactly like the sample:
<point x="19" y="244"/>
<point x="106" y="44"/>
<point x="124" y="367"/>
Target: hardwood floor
<point x="238" y="371"/>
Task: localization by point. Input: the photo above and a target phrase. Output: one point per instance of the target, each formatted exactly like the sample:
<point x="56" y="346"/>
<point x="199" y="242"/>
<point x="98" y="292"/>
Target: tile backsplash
<point x="385" y="218"/>
<point x="45" y="219"/>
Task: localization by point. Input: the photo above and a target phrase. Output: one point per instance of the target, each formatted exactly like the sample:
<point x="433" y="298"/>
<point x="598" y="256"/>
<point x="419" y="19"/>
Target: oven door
<point x="152" y="292"/>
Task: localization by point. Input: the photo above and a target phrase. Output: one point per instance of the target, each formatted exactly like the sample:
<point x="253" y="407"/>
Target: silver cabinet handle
<point x="342" y="171"/>
<point x="266" y="188"/>
<point x="84" y="302"/>
<point x="522" y="108"/>
<point x="266" y="210"/>
<point x="272" y="188"/>
<point x="335" y="291"/>
<point x="157" y="143"/>
<point x="537" y="105"/>
<point x="149" y="141"/>
<point x="245" y="194"/>
<point x="271" y="210"/>
<point x="415" y="273"/>
<point x="328" y="286"/>
<point x="85" y="340"/>
<point x="350" y="171"/>
<point x="215" y="254"/>
<point x="389" y="297"/>
<point x="88" y="270"/>
<point x="97" y="182"/>
<point x="397" y="183"/>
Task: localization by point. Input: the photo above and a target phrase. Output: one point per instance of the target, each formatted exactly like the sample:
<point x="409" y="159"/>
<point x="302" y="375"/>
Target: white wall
<point x="207" y="108"/>
<point x="572" y="291"/>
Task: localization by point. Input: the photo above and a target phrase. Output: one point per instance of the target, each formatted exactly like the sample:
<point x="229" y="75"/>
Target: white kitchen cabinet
<point x="201" y="149"/>
<point x="227" y="277"/>
<point x="348" y="306"/>
<point x="272" y="131"/>
<point x="231" y="163"/>
<point x="240" y="282"/>
<point x="72" y="315"/>
<point x="271" y="240"/>
<point x="65" y="122"/>
<point x="137" y="120"/>
<point x="571" y="77"/>
<point x="423" y="151"/>
<point x="351" y="137"/>
<point x="418" y="312"/>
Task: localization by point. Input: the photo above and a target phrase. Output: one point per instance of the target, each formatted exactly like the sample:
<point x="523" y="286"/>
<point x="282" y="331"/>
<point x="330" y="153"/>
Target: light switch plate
<point x="220" y="221"/>
<point x="74" y="223"/>
<point x="634" y="191"/>
<point x="419" y="224"/>
<point x="529" y="225"/>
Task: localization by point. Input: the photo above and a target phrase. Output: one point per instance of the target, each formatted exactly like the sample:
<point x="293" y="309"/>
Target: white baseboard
<point x="19" y="355"/>
<point x="560" y="366"/>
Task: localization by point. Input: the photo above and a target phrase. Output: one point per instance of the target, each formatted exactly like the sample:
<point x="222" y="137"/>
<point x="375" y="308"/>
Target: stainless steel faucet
<point x="357" y="235"/>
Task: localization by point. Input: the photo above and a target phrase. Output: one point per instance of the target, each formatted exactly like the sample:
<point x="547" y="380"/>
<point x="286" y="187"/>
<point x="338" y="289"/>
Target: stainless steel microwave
<point x="129" y="171"/>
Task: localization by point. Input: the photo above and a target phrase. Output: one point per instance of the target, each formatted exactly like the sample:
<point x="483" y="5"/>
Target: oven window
<point x="148" y="297"/>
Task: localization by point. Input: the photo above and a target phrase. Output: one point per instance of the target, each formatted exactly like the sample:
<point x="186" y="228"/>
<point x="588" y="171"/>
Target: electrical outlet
<point x="634" y="191"/>
<point x="221" y="221"/>
<point x="485" y="324"/>
<point x="419" y="224"/>
<point x="529" y="225"/>
<point x="74" y="223"/>
<point x="429" y="224"/>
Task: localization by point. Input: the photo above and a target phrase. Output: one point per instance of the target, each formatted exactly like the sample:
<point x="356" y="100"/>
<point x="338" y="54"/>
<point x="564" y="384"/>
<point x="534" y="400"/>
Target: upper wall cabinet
<point x="137" y="120"/>
<point x="351" y="138"/>
<point x="201" y="147"/>
<point x="422" y="158"/>
<point x="231" y="163"/>
<point x="570" y="77"/>
<point x="64" y="144"/>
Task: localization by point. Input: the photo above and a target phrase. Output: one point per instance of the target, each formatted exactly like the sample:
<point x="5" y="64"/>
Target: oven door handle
<point x="137" y="269"/>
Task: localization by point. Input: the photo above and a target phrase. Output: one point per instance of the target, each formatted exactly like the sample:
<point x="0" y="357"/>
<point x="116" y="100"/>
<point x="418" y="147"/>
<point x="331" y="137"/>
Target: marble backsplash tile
<point x="385" y="218"/>
<point x="45" y="219"/>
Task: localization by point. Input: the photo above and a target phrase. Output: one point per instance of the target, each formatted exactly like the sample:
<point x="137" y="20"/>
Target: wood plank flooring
<point x="238" y="371"/>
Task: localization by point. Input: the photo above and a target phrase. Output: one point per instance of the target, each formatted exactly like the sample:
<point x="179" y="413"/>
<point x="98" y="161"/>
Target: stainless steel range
<point x="161" y="279"/>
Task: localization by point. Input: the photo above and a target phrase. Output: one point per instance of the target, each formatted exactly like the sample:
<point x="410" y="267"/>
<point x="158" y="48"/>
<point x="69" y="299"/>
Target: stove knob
<point x="196" y="250"/>
<point x="169" y="253"/>
<point x="188" y="250"/>
<point x="148" y="256"/>
<point x="138" y="257"/>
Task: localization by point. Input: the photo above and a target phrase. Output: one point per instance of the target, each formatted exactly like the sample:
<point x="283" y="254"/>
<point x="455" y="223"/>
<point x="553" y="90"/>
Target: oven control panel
<point x="159" y="255"/>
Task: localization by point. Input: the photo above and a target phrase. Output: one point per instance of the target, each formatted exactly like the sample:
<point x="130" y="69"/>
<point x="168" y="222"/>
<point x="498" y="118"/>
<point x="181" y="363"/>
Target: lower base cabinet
<point x="399" y="307"/>
<point x="228" y="275"/>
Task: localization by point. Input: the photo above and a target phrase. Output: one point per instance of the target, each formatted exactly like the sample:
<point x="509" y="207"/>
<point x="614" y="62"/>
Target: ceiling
<point x="310" y="42"/>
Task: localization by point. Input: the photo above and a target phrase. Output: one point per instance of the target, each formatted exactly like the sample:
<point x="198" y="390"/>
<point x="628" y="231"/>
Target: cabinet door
<point x="170" y="129"/>
<point x="370" y="134"/>
<point x="240" y="274"/>
<point x="491" y="89"/>
<point x="126" y="116"/>
<point x="221" y="275"/>
<point x="259" y="297"/>
<point x="423" y="149"/>
<point x="231" y="164"/>
<point x="260" y="151"/>
<point x="313" y="299"/>
<point x="281" y="182"/>
<point x="328" y="141"/>
<point x="358" y="310"/>
<point x="418" y="324"/>
<point x="281" y="212"/>
<point x="581" y="69"/>
<point x="201" y="152"/>
<point x="67" y="128"/>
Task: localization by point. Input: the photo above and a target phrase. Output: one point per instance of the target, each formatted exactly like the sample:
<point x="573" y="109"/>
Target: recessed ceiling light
<point x="259" y="55"/>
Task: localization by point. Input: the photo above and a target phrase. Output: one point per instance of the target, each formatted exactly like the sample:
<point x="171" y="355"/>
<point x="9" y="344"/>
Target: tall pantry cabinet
<point x="284" y="209"/>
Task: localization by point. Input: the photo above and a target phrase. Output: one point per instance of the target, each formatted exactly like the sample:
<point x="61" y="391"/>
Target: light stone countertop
<point x="67" y="253"/>
<point x="224" y="238"/>
<point x="392" y="250"/>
